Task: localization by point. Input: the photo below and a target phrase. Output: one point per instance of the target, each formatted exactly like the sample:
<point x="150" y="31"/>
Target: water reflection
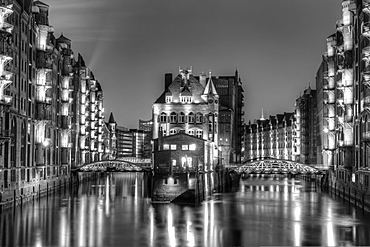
<point x="116" y="211"/>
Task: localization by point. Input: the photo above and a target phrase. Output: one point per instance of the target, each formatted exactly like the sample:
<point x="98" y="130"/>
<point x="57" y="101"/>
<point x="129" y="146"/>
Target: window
<point x="166" y="147"/>
<point x="199" y="133"/>
<point x="181" y="117"/>
<point x="191" y="132"/>
<point x="163" y="118"/>
<point x="173" y="146"/>
<point x="184" y="147"/>
<point x="173" y="117"/>
<point x="173" y="131"/>
<point x="186" y="99"/>
<point x="191" y="117"/>
<point x="199" y="118"/>
<point x="168" y="99"/>
<point x="192" y="147"/>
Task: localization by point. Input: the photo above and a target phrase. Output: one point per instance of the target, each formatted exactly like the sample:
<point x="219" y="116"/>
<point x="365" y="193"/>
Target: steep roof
<point x="210" y="88"/>
<point x="111" y="118"/>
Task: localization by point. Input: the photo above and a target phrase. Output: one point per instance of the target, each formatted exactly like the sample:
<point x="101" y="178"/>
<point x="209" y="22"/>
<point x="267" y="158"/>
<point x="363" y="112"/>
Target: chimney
<point x="167" y="80"/>
<point x="203" y="79"/>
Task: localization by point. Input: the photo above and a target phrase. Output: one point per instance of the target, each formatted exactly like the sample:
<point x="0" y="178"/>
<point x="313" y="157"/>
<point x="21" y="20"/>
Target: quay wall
<point x="353" y="192"/>
<point x="22" y="192"/>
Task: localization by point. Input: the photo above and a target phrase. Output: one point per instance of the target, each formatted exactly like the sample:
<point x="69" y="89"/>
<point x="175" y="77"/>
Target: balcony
<point x="366" y="102"/>
<point x="366" y="136"/>
<point x="42" y="112"/>
<point x="4" y="136"/>
<point x="44" y="60"/>
<point x="366" y="6"/>
<point x="366" y="29"/>
<point x="6" y="100"/>
<point x="66" y="122"/>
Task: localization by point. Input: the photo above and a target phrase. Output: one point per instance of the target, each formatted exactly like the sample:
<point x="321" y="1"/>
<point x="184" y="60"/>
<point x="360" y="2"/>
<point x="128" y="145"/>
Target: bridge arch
<point x="270" y="165"/>
<point x="112" y="165"/>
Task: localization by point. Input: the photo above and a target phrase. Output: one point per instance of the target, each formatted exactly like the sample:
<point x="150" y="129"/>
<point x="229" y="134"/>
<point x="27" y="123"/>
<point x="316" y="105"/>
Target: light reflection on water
<point x="116" y="211"/>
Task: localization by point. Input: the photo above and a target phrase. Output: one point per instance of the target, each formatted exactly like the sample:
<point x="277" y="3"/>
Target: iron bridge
<point x="113" y="166"/>
<point x="267" y="166"/>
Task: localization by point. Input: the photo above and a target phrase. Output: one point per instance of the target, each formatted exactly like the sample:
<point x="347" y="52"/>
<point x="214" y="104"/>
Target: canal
<point x="116" y="211"/>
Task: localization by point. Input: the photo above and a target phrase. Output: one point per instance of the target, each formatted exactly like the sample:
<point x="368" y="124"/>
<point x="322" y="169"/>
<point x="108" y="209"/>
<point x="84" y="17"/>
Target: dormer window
<point x="186" y="99"/>
<point x="169" y="99"/>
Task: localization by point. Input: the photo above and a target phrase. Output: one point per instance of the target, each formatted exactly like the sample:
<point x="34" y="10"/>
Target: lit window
<point x="168" y="99"/>
<point x="184" y="147"/>
<point x="186" y="99"/>
<point x="192" y="147"/>
<point x="199" y="133"/>
<point x="166" y="147"/>
<point x="173" y="146"/>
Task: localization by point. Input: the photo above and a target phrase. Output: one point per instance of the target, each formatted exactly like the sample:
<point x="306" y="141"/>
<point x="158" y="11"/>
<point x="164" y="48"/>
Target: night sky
<point x="276" y="45"/>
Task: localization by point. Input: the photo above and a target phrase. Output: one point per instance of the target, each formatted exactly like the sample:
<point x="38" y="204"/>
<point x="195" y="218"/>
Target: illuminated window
<point x="192" y="147"/>
<point x="184" y="147"/>
<point x="173" y="146"/>
<point x="199" y="134"/>
<point x="168" y="99"/>
<point x="186" y="99"/>
<point x="166" y="147"/>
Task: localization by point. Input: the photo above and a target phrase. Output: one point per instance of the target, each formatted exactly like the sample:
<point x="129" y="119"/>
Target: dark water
<point x="115" y="211"/>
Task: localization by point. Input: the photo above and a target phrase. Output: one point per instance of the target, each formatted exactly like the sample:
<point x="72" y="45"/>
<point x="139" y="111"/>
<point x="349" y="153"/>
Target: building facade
<point x="231" y="120"/>
<point x="187" y="107"/>
<point x="306" y="128"/>
<point x="270" y="138"/>
<point x="51" y="109"/>
<point x="147" y="127"/>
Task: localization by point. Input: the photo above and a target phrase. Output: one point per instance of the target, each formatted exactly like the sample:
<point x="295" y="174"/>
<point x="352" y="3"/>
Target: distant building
<point x="322" y="116"/>
<point x="270" y="138"/>
<point x="124" y="142"/>
<point x="147" y="127"/>
<point x="306" y="130"/>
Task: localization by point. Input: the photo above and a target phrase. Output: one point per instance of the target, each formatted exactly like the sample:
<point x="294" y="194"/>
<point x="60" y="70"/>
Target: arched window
<point x="173" y="131"/>
<point x="182" y="117"/>
<point x="199" y="118"/>
<point x="163" y="118"/>
<point x="191" y="117"/>
<point x="173" y="117"/>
